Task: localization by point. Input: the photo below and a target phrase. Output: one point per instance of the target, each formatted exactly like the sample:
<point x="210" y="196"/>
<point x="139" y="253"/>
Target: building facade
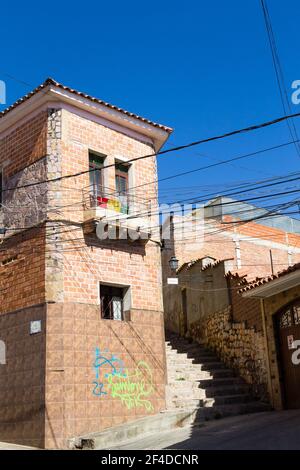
<point x="224" y="229"/>
<point x="81" y="312"/>
<point x="279" y="297"/>
<point x="208" y="308"/>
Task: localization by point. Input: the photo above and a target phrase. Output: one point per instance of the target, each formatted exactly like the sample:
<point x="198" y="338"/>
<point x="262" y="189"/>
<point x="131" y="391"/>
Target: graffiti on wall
<point x="133" y="389"/>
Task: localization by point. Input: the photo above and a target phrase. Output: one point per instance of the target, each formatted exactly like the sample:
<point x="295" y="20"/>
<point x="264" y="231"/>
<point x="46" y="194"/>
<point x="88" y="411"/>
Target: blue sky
<point x="201" y="67"/>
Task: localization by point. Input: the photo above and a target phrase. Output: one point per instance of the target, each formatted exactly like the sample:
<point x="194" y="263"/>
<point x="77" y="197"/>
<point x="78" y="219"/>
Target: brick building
<point x="207" y="305"/>
<point x="279" y="297"/>
<point x="227" y="229"/>
<point x="81" y="315"/>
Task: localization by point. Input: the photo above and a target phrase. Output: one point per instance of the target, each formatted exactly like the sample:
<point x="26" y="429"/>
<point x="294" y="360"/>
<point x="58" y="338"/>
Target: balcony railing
<point x="122" y="203"/>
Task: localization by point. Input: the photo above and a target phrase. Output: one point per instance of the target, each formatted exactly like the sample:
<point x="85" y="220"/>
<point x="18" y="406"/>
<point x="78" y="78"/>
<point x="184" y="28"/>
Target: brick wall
<point x="54" y="271"/>
<point x="24" y="145"/>
<point x="243" y="309"/>
<point x="217" y="241"/>
<point x="81" y="135"/>
<point x="22" y="270"/>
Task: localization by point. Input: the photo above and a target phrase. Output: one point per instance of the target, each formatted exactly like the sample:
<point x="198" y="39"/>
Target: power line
<point x="212" y="165"/>
<point x="279" y="75"/>
<point x="163" y="152"/>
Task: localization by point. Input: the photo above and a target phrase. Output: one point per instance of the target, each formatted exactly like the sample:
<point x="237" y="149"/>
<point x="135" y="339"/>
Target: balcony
<point x="124" y="211"/>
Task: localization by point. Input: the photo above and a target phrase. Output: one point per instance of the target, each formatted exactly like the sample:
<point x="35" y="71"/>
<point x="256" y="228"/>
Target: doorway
<point x="288" y="330"/>
<point x="184" y="311"/>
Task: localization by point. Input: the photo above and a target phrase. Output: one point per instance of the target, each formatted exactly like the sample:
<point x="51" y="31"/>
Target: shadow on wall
<point x="240" y="348"/>
<point x="136" y="248"/>
<point x="22" y="378"/>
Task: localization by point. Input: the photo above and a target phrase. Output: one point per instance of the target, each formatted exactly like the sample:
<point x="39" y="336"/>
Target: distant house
<point x="228" y="229"/>
<point x="236" y="244"/>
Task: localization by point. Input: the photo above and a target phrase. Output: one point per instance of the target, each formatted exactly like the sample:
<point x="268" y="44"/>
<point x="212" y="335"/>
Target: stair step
<point x="192" y="360"/>
<point x="190" y="388"/>
<point x="218" y="391"/>
<point x="227" y="400"/>
<point x="198" y="380"/>
<point x="223" y="411"/>
<point x="196" y="367"/>
<point x="213" y="365"/>
<point x="212" y="382"/>
<point x="203" y="374"/>
<point x="187" y="349"/>
<point x="180" y="402"/>
<point x="196" y="353"/>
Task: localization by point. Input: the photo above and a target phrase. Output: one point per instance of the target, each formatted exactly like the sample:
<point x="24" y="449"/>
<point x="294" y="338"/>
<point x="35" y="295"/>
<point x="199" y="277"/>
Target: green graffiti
<point x="133" y="390"/>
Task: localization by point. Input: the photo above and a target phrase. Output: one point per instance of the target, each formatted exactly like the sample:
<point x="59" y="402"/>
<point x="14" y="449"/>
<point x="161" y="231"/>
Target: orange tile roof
<point x="261" y="281"/>
<point x="50" y="81"/>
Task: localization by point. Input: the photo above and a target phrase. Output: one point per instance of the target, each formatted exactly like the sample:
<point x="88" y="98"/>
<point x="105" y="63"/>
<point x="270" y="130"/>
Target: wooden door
<point x="288" y="324"/>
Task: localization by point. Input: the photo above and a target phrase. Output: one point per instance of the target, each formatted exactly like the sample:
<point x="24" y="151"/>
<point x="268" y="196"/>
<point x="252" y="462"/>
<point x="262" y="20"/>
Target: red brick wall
<point x="244" y="310"/>
<point x="255" y="256"/>
<point x="24" y="145"/>
<point x="22" y="270"/>
<point x="79" y="135"/>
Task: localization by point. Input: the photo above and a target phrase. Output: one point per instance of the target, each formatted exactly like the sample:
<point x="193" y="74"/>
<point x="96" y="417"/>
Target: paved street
<point x="260" y="431"/>
<point x="7" y="446"/>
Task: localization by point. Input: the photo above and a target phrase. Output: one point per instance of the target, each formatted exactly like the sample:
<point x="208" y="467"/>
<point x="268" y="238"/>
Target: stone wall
<point x="25" y="207"/>
<point x="240" y="348"/>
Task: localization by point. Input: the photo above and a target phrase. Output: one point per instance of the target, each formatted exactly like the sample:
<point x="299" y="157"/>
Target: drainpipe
<point x="270" y="388"/>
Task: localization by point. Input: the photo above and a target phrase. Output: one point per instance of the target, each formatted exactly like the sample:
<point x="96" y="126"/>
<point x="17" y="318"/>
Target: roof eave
<point x="274" y="287"/>
<point x="54" y="93"/>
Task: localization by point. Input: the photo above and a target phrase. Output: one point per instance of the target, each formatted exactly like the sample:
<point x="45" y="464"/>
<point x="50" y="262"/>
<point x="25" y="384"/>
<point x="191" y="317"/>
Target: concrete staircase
<point x="197" y="379"/>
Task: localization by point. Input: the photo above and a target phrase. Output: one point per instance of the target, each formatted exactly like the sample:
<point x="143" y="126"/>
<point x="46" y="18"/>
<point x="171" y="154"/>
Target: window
<point x="112" y="302"/>
<point x="122" y="186"/>
<point x="96" y="164"/>
<point x="121" y="179"/>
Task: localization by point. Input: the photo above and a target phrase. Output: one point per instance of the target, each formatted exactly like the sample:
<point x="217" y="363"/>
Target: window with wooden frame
<point x="96" y="164"/>
<point x="121" y="179"/>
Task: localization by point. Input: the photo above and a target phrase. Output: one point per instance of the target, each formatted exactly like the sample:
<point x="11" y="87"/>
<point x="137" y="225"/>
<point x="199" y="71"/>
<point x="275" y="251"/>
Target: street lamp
<point x="173" y="263"/>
